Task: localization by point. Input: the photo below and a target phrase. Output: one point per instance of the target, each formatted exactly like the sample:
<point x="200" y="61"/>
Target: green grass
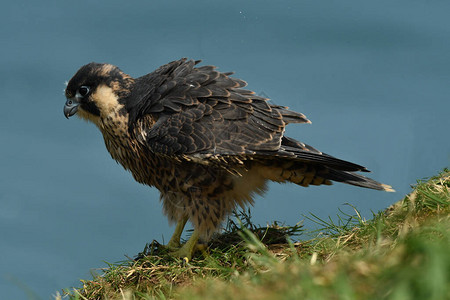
<point x="401" y="253"/>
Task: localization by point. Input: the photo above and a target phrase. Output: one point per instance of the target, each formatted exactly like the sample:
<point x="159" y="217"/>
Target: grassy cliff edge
<point x="401" y="253"/>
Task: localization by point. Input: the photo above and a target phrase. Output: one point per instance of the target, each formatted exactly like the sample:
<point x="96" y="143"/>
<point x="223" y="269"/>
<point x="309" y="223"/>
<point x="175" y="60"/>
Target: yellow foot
<point x="188" y="249"/>
<point x="186" y="254"/>
<point x="173" y="246"/>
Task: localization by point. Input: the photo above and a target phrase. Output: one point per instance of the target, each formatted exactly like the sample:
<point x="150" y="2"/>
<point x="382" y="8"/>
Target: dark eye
<point x="83" y="90"/>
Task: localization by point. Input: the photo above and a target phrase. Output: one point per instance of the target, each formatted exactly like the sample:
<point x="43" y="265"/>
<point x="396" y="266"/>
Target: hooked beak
<point x="71" y="107"/>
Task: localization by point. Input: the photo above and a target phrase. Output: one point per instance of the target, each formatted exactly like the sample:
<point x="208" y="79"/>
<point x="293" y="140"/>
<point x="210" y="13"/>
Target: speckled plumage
<point x="202" y="140"/>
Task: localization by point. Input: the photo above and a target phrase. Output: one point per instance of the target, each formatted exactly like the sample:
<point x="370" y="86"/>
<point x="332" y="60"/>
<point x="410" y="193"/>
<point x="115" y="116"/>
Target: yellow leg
<point x="189" y="248"/>
<point x="174" y="242"/>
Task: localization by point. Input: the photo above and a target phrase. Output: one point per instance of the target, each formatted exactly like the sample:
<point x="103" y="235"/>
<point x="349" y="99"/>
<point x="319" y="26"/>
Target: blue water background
<point x="373" y="77"/>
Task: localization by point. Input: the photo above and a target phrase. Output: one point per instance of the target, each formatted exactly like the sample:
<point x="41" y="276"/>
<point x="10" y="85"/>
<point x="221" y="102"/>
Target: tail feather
<point x="304" y="165"/>
<point x="358" y="180"/>
<point x="306" y="174"/>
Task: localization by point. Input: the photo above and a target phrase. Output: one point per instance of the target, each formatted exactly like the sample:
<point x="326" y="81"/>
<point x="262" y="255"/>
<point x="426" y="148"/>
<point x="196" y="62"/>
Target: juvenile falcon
<point x="203" y="141"/>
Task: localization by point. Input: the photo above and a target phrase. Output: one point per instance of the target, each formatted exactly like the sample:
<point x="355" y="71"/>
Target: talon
<point x="201" y="247"/>
<point x="188" y="249"/>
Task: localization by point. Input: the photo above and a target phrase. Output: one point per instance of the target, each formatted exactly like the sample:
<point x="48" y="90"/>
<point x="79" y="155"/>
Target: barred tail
<point x="305" y="174"/>
<point x="358" y="180"/>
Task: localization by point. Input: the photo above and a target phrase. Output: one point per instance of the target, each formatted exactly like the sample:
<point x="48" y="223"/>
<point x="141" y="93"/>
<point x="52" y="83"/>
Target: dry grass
<point x="402" y="253"/>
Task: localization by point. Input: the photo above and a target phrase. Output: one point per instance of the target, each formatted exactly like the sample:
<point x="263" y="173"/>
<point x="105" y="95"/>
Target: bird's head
<point x="96" y="90"/>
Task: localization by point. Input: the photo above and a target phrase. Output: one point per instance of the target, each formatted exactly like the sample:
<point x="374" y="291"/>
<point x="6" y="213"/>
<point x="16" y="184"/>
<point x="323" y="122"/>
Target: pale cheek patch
<point x="106" y="100"/>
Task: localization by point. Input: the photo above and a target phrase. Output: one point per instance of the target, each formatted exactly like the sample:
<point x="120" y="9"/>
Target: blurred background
<point x="373" y="77"/>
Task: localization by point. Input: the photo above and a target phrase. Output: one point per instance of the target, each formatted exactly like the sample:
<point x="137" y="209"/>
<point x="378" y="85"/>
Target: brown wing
<point x="200" y="110"/>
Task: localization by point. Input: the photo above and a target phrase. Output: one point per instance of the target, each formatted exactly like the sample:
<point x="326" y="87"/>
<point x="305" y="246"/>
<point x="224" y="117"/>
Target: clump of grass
<point x="154" y="273"/>
<point x="401" y="253"/>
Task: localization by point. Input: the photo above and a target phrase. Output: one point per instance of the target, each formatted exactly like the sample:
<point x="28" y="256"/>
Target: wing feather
<point x="202" y="111"/>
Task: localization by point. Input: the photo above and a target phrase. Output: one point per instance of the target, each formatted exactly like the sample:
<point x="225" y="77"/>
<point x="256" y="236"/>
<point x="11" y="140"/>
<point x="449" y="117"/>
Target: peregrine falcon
<point x="203" y="141"/>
